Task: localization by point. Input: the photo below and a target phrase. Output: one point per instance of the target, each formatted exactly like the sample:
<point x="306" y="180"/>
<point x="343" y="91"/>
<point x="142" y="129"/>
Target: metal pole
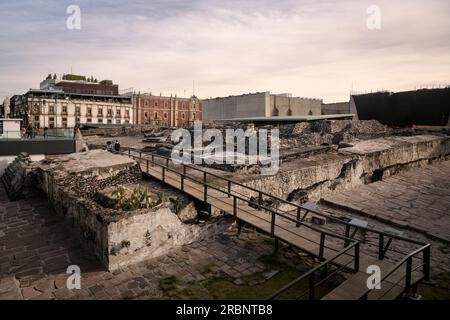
<point x="272" y="224"/>
<point x="357" y="257"/>
<point x="426" y="263"/>
<point x="322" y="245"/>
<point x="298" y="217"/>
<point x="381" y="247"/>
<point x="408" y="275"/>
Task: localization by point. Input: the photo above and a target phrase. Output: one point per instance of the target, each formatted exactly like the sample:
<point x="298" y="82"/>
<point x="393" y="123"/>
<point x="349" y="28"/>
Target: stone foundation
<point x="364" y="162"/>
<point x="118" y="238"/>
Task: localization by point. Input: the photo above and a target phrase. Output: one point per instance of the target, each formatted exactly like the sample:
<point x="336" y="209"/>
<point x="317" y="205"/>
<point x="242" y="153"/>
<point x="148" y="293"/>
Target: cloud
<point x="318" y="49"/>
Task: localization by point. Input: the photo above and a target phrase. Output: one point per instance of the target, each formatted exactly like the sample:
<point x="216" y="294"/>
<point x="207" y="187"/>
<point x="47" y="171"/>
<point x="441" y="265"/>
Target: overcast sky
<point x="319" y="49"/>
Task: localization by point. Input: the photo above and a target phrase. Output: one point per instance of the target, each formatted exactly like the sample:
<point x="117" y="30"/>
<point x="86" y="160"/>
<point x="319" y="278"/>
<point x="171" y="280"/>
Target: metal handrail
<point x="382" y="249"/>
<point x="408" y="259"/>
<point x="311" y="273"/>
<point x="242" y="198"/>
<point x="393" y="236"/>
<point x="286" y="201"/>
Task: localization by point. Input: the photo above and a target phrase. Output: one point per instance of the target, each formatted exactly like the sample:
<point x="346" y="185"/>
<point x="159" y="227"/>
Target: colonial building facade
<point x="166" y="111"/>
<point x="56" y="106"/>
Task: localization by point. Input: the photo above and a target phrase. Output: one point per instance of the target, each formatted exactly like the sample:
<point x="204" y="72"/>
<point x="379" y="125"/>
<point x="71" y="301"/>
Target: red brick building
<point x="166" y="111"/>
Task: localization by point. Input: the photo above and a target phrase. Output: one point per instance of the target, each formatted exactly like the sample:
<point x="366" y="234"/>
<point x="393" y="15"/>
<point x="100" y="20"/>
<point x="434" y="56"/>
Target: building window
<point x="100" y="111"/>
<point x="155" y="115"/>
<point x="145" y="103"/>
<point x="117" y="121"/>
<point x="51" y="109"/>
<point x="109" y="121"/>
<point x="156" y="103"/>
<point x="146" y="115"/>
<point x="36" y="118"/>
<point x="51" y="119"/>
<point x="118" y="113"/>
<point x="64" y="109"/>
<point x="127" y="113"/>
<point x="165" y="104"/>
<point x="109" y="112"/>
<point x="182" y="116"/>
<point x="77" y="111"/>
<point x="88" y="120"/>
<point x="89" y="111"/>
<point x="165" y="115"/>
<point x="100" y="120"/>
<point x="193" y="116"/>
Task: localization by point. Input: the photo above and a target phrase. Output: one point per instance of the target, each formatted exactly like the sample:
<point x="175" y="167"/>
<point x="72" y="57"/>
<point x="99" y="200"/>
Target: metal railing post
<point x="147" y="164"/>
<point x="272" y="225"/>
<point x="234" y="206"/>
<point x="153" y="159"/>
<point x="182" y="183"/>
<point x="347" y="234"/>
<point x="322" y="245"/>
<point x="426" y="263"/>
<point x="129" y="153"/>
<point x="298" y="217"/>
<point x="408" y="274"/>
<point x="167" y="162"/>
<point x="381" y="246"/>
<point x="205" y="192"/>
<point x="356" y="266"/>
<point x="229" y="188"/>
<point x="163" y="173"/>
<point x="259" y="200"/>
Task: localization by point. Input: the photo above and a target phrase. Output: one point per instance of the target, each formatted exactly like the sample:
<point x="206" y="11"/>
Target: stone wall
<point x="365" y="162"/>
<point x="118" y="238"/>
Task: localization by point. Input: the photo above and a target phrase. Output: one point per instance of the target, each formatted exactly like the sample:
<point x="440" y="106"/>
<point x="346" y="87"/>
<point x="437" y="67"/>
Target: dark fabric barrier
<point x="421" y="107"/>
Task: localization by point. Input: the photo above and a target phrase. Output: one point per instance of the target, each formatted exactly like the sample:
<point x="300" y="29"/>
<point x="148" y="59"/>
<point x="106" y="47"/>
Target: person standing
<point x="117" y="146"/>
<point x="29" y="131"/>
<point x="45" y="132"/>
<point x="75" y="132"/>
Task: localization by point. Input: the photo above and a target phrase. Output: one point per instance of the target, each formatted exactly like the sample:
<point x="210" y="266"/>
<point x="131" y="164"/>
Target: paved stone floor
<point x="36" y="248"/>
<point x="418" y="199"/>
<point x="416" y="203"/>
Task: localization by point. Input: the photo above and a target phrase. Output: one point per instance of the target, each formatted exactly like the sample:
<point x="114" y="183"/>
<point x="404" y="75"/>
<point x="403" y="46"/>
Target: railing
<point x="384" y="238"/>
<point x="37" y="134"/>
<point x="149" y="161"/>
<point x="312" y="275"/>
<point x="407" y="262"/>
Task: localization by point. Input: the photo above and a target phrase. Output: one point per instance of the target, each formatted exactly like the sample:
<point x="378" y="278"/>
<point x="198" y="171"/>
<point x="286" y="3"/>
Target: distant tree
<point x="54" y="76"/>
<point x="49" y="76"/>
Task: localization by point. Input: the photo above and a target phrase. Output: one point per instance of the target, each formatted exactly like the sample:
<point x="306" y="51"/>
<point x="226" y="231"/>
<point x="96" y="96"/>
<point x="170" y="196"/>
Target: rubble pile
<point x="327" y="132"/>
<point x="17" y="176"/>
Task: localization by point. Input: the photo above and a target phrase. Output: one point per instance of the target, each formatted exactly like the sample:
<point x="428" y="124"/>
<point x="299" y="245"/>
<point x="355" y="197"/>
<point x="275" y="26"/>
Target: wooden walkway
<point x="303" y="237"/>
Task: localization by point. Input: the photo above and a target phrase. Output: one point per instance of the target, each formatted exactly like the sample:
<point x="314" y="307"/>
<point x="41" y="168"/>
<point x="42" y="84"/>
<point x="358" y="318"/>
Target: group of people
<point x="113" y="147"/>
<point x="30" y="132"/>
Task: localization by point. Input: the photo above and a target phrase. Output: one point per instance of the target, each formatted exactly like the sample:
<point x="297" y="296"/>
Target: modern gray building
<point x="260" y="104"/>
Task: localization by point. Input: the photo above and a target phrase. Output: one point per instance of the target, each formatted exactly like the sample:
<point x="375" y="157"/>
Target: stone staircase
<point x="14" y="178"/>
